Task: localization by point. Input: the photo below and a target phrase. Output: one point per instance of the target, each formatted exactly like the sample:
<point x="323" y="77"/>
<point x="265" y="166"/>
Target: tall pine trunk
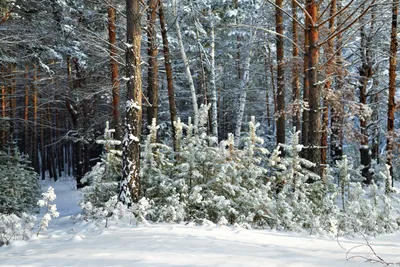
<point x="168" y="70"/>
<point x="306" y="90"/>
<point x="329" y="71"/>
<point x="392" y="86"/>
<point x="314" y="125"/>
<point x="280" y="123"/>
<point x="130" y="184"/>
<point x="34" y="153"/>
<point x="267" y="89"/>
<point x="295" y="70"/>
<point x="112" y="37"/>
<point x="337" y="110"/>
<point x="152" y="77"/>
<point x="3" y="109"/>
<point x="13" y="104"/>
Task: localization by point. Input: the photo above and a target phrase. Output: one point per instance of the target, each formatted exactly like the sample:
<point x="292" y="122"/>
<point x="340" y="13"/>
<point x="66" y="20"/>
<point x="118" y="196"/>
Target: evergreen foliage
<point x="206" y="181"/>
<point x="104" y="177"/>
<point x="19" y="186"/>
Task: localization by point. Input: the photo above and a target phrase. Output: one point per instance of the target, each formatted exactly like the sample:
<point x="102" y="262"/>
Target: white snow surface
<point x="69" y="243"/>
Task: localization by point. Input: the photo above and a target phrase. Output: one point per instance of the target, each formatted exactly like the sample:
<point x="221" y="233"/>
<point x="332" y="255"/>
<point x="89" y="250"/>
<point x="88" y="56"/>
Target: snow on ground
<point x="66" y="243"/>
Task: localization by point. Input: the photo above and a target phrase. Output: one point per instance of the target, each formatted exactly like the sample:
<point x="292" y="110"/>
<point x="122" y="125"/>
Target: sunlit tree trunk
<point x="280" y="122"/>
<point x="267" y="89"/>
<point x="337" y="110"/>
<point x="295" y="70"/>
<point x="3" y="109"/>
<point x="112" y="37"/>
<point x="187" y="66"/>
<point x="168" y="70"/>
<point x="272" y="79"/>
<point x="314" y="126"/>
<point x="243" y="91"/>
<point x="213" y="98"/>
<point x="392" y="86"/>
<point x="152" y="77"/>
<point x="329" y="71"/>
<point x="306" y="90"/>
<point x="130" y="184"/>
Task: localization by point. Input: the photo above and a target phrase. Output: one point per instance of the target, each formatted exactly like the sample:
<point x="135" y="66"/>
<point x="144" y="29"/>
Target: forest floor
<point x="69" y="243"/>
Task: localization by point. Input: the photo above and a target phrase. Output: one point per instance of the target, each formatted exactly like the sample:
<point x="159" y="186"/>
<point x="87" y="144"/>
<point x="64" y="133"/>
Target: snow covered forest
<point x="265" y="115"/>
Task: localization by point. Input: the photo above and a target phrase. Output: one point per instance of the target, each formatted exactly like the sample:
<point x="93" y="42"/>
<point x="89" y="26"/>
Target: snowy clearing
<point x="66" y="243"/>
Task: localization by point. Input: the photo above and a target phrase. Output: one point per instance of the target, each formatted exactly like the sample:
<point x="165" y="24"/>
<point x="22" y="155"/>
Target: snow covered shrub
<point x="141" y="210"/>
<point x="298" y="199"/>
<point x="19" y="186"/>
<point x="344" y="167"/>
<point x="225" y="182"/>
<point x="13" y="227"/>
<point x="51" y="209"/>
<point x="104" y="177"/>
<point x="158" y="183"/>
<point x="366" y="213"/>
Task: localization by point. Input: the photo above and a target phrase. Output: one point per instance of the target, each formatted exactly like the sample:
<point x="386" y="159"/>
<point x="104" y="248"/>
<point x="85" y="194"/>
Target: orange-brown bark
<point x="112" y="37"/>
<point x="168" y="70"/>
<point x="392" y="86"/>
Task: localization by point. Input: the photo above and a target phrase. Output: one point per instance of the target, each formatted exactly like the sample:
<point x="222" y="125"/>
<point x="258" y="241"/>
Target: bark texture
<point x="392" y="86"/>
<point x="168" y="70"/>
<point x="152" y="76"/>
<point x="112" y="37"/>
<point x="280" y="122"/>
<point x="130" y="185"/>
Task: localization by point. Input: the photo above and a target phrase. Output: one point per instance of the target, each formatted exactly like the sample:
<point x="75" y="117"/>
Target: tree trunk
<point x="267" y="95"/>
<point x="366" y="73"/>
<point x="3" y="110"/>
<point x="280" y="123"/>
<point x="168" y="70"/>
<point x="130" y="184"/>
<point x="295" y="71"/>
<point x="314" y="126"/>
<point x="77" y="147"/>
<point x="306" y="90"/>
<point x="152" y="77"/>
<point x="43" y="160"/>
<point x="238" y="63"/>
<point x="187" y="66"/>
<point x="34" y="153"/>
<point x="60" y="146"/>
<point x="337" y="110"/>
<point x="50" y="149"/>
<point x="214" y="108"/>
<point x="243" y="91"/>
<point x="392" y="87"/>
<point x="329" y="71"/>
<point x="13" y="105"/>
<point x="271" y="70"/>
<point x="376" y="129"/>
<point x="26" y="112"/>
<point x="112" y="37"/>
